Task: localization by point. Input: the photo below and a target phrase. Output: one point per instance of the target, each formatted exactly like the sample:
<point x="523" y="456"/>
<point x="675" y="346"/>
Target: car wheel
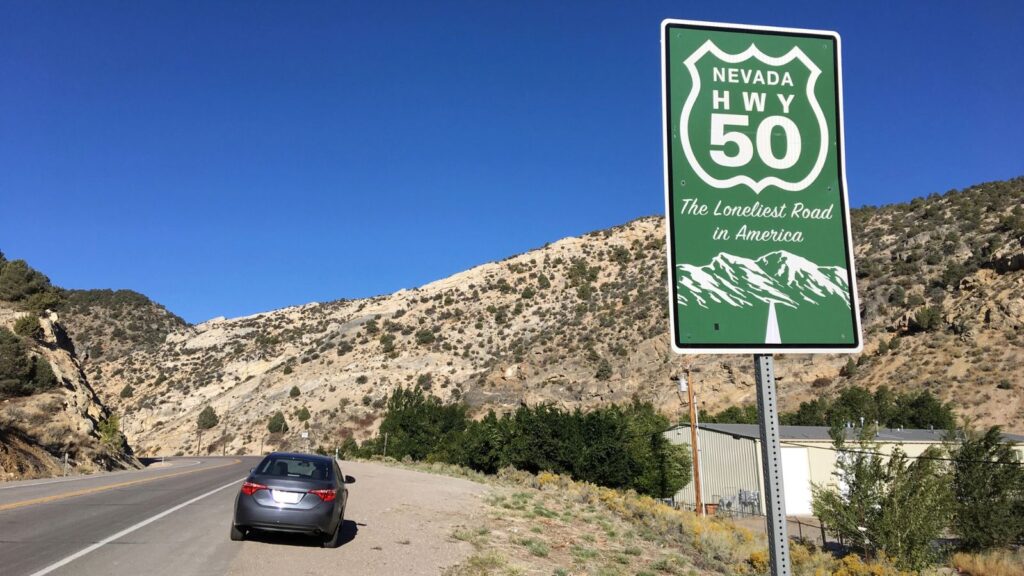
<point x="237" y="535"/>
<point x="334" y="540"/>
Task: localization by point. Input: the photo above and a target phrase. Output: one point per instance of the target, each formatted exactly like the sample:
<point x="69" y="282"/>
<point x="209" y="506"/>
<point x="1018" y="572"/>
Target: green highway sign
<point x="759" y="249"/>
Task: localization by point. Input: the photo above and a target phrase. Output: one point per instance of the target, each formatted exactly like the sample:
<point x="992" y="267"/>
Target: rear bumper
<point x="321" y="519"/>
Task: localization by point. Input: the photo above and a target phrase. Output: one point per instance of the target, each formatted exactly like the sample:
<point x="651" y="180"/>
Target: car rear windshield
<point x="294" y="467"/>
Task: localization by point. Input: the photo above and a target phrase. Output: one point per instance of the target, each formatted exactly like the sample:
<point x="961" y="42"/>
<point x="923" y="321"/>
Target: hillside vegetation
<point x="582" y="322"/>
<point x="48" y="411"/>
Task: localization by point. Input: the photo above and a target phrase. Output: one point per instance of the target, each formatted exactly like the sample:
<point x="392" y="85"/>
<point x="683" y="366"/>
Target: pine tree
<point x="277" y="423"/>
<point x="207" y="418"/>
<point x="988" y="482"/>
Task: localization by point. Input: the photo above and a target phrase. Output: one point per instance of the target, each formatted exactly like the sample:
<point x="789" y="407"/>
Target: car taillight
<point x="325" y="495"/>
<point x="250" y="488"/>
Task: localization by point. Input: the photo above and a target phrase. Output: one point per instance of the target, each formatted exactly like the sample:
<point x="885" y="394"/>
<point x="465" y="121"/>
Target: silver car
<point x="290" y="492"/>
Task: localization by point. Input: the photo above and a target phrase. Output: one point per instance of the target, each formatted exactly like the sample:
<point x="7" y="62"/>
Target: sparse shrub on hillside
<point x="542" y="281"/>
<point x="883" y="348"/>
<point x="344" y="347"/>
<point x="277" y="423"/>
<point x="303" y="414"/>
<point x="850" y="369"/>
<point x="22" y="374"/>
<point x="425" y="337"/>
<point x="41" y="301"/>
<point x="953" y="274"/>
<point x="18" y="281"/>
<point x="42" y="377"/>
<point x="110" y="431"/>
<point x="926" y="319"/>
<point x="604" y="370"/>
<point x="362" y="379"/>
<point x="28" y="327"/>
<point x="897" y="296"/>
<point x="294" y="392"/>
<point x="387" y="343"/>
<point x="127" y="391"/>
<point x="620" y="255"/>
<point x="287" y="370"/>
<point x="207" y="418"/>
<point x="425" y="381"/>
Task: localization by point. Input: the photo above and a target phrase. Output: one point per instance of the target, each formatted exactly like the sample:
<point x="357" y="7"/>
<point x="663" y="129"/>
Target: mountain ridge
<point x="582" y="322"/>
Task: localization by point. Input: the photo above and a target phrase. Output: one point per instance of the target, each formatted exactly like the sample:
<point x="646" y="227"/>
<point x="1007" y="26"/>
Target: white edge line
<point x="129" y="530"/>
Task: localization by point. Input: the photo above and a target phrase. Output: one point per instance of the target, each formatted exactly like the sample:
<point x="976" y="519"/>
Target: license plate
<point x="282" y="497"/>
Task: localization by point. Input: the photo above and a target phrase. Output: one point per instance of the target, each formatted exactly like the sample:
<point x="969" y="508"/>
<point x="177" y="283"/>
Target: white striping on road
<point x="129" y="530"/>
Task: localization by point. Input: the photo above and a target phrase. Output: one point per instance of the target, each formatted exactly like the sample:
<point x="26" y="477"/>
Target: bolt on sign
<point x="759" y="248"/>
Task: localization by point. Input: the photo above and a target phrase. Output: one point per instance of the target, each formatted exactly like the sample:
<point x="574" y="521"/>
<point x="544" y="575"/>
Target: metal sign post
<point x="771" y="463"/>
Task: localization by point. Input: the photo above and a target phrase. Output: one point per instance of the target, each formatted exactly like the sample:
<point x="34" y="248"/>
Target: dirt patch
<point x="398" y="521"/>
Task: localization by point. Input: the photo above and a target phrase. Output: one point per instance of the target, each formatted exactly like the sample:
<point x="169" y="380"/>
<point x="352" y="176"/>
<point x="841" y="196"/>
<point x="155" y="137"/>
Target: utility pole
<point x="385" y="444"/>
<point x="199" y="447"/>
<point x="685" y="384"/>
<point x="224" y="438"/>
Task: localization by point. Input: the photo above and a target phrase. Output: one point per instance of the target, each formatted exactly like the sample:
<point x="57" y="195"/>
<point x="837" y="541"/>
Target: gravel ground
<point x="397" y="522"/>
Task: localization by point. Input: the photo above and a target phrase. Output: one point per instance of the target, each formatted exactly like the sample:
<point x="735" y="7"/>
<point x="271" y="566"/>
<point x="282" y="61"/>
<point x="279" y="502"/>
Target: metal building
<point x="731" y="462"/>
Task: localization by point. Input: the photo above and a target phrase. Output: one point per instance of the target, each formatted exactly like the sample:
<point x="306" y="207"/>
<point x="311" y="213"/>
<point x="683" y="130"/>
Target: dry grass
<point x="992" y="563"/>
<point x="551" y="524"/>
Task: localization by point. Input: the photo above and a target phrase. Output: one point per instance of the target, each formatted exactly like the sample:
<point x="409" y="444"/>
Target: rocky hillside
<point x="110" y="324"/>
<point x="53" y="411"/>
<point x="583" y="321"/>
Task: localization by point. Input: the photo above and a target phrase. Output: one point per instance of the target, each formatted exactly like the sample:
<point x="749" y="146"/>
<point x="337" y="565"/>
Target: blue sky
<point x="226" y="158"/>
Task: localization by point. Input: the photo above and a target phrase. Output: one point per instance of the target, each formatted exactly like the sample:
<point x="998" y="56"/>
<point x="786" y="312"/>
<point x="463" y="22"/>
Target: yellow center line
<point x="94" y="490"/>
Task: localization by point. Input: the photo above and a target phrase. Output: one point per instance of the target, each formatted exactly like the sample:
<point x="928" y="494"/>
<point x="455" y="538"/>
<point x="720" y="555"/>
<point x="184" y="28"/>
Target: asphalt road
<point x="43" y="523"/>
<point x="174" y="520"/>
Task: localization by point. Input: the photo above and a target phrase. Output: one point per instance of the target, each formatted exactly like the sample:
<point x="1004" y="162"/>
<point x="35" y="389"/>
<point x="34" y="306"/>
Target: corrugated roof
<point x="822" y="433"/>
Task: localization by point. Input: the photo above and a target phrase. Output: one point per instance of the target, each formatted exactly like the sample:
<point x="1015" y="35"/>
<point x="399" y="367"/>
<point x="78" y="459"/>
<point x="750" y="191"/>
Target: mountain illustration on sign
<point x="778" y="278"/>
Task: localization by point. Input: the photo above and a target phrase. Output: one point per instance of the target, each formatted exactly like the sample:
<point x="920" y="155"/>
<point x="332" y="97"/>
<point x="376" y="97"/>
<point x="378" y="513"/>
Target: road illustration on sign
<point x="777" y="278"/>
<point x="759" y="249"/>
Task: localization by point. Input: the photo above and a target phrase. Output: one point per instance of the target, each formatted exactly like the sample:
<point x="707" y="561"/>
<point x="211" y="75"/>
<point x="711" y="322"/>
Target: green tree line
<point x="615" y="446"/>
<point x="900" y="507"/>
<point x="888" y="408"/>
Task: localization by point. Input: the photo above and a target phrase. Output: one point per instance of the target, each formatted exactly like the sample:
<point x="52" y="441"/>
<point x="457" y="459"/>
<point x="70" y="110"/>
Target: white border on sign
<point x="666" y="153"/>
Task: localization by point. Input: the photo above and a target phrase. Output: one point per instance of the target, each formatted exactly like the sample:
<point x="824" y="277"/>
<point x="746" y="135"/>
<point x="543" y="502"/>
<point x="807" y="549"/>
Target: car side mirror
<point x="349" y="479"/>
<point x="251" y="470"/>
